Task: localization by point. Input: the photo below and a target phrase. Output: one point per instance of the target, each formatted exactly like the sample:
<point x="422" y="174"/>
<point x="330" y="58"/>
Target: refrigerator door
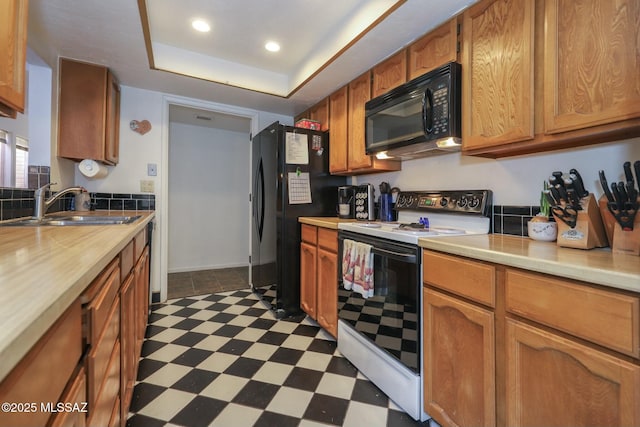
<point x="265" y="168"/>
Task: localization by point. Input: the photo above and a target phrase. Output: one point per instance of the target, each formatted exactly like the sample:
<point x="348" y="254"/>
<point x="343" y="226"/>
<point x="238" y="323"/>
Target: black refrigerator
<point x="290" y="179"/>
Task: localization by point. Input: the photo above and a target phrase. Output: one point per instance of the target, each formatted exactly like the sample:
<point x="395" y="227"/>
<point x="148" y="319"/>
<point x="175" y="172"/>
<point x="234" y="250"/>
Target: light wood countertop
<point x="44" y="269"/>
<point x="325" y="222"/>
<point x="597" y="266"/>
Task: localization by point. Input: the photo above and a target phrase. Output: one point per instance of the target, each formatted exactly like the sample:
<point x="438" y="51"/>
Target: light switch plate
<point x="147" y="186"/>
<point x="152" y="169"/>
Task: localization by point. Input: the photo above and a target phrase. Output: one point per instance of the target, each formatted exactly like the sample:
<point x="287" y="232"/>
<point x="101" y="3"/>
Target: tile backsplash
<point x="18" y="203"/>
<point x="512" y="219"/>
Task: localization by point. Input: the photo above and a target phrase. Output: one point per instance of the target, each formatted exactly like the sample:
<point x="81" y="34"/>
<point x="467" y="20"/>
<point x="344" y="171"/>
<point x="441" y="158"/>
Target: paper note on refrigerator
<point x="299" y="188"/>
<point x="296" y="148"/>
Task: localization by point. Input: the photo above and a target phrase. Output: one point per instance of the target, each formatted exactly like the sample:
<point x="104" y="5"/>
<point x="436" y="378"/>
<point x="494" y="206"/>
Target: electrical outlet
<point x="152" y="169"/>
<point x="146" y="186"/>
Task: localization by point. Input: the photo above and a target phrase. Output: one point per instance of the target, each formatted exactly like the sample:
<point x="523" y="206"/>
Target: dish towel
<point x="357" y="268"/>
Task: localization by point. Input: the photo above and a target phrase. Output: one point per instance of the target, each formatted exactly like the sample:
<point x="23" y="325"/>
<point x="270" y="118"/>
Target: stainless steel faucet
<point x="42" y="205"/>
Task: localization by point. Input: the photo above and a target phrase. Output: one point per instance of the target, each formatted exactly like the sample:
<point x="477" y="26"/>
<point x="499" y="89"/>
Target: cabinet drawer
<point x="606" y="318"/>
<point x="34" y="379"/>
<point x="102" y="411"/>
<point x="309" y="233"/>
<point x="100" y="353"/>
<point x="328" y="239"/>
<point x="75" y="393"/>
<point x="98" y="308"/>
<point x="139" y="242"/>
<point x="126" y="261"/>
<point x="470" y="279"/>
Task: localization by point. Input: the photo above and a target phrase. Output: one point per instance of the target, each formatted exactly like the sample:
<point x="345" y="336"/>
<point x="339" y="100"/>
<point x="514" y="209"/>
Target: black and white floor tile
<point x="225" y="360"/>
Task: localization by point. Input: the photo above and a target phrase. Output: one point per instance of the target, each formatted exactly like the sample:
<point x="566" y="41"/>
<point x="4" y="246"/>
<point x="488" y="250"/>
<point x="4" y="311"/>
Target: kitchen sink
<point x="74" y="220"/>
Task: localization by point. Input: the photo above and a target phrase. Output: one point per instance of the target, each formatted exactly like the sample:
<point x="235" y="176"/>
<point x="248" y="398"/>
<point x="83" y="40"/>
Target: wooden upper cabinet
<point x="89" y="112"/>
<point x="498" y="63"/>
<point x="390" y="74"/>
<point x="338" y="130"/>
<point x="359" y="94"/>
<point x="592" y="66"/>
<point x="320" y="113"/>
<point x="436" y="48"/>
<point x="13" y="44"/>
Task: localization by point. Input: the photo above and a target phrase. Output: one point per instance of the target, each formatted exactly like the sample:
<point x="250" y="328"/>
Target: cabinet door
<point x="320" y="113"/>
<point x="592" y="63"/>
<point x="390" y="73"/>
<point x="128" y="357"/>
<point x="359" y="94"/>
<point x="338" y="130"/>
<point x="308" y="278"/>
<point x="459" y="364"/>
<point x="112" y="131"/>
<point x="497" y="83"/>
<point x="13" y="44"/>
<point x="327" y="295"/>
<point x="434" y="49"/>
<point x="554" y="381"/>
<point x="76" y="394"/>
<point x="141" y="278"/>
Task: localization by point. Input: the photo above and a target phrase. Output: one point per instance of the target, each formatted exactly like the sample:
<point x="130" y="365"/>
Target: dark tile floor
<point x="202" y="282"/>
<point x="225" y="360"/>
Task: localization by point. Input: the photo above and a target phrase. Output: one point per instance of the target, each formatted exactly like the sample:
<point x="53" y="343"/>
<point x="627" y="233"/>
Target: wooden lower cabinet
<point x="34" y="381"/>
<point x="128" y="357"/>
<point x="308" y="284"/>
<point x="319" y="276"/>
<point x="327" y="297"/>
<point x="552" y="381"/>
<point x="543" y="351"/>
<point x="458" y="356"/>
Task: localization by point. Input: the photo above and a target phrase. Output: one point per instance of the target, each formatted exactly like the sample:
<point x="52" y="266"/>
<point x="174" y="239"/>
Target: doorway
<point x="208" y="207"/>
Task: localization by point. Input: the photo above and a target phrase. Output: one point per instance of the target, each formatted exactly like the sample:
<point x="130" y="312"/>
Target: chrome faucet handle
<point x="42" y="189"/>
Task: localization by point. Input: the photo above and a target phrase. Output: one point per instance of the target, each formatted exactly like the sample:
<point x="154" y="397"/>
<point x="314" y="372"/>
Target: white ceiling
<point x="111" y="33"/>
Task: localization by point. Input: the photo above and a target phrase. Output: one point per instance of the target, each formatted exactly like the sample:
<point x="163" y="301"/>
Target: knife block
<point x="621" y="241"/>
<point x="589" y="231"/>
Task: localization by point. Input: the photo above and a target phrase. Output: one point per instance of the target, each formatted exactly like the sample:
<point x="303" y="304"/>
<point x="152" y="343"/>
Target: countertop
<point x="597" y="266"/>
<point x="44" y="269"/>
<point x="325" y="222"/>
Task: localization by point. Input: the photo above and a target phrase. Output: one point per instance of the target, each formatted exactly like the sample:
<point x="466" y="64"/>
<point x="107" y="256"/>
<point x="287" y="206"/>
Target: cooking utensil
<point x="566" y="214"/>
<point x="623" y="210"/>
<point x="605" y="187"/>
<point x="558" y="177"/>
<point x="636" y="167"/>
<point x="578" y="183"/>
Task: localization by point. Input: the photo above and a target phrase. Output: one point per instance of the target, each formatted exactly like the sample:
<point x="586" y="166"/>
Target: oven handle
<point x="411" y="258"/>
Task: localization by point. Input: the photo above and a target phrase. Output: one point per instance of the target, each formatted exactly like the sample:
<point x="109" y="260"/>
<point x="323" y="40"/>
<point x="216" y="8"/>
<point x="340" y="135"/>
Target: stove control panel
<point x="477" y="202"/>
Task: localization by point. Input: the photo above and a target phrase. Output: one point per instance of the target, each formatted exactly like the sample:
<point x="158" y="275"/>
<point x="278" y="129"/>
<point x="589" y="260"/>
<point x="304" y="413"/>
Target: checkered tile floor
<point x="224" y="360"/>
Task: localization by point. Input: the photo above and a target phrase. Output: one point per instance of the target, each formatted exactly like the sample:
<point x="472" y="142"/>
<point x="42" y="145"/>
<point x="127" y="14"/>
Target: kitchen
<point x="515" y="181"/>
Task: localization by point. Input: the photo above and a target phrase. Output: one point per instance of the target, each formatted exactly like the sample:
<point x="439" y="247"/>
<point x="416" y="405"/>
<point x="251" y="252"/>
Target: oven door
<point x="390" y="318"/>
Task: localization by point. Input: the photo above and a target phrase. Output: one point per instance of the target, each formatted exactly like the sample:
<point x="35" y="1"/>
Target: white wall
<point x="208" y="198"/>
<point x="514" y="180"/>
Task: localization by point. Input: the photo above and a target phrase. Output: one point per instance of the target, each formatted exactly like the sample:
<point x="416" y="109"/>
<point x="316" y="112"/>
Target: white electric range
<point x="379" y="330"/>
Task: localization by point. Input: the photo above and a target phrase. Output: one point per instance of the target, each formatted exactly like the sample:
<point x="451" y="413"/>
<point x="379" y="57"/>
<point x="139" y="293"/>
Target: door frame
<point x="162" y="198"/>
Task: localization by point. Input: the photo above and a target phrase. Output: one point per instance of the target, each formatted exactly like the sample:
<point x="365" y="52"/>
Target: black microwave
<point x="419" y="118"/>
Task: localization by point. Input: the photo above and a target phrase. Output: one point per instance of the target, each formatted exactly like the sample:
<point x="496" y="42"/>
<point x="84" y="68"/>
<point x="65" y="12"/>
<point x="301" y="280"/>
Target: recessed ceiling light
<point x="200" y="25"/>
<point x="272" y="46"/>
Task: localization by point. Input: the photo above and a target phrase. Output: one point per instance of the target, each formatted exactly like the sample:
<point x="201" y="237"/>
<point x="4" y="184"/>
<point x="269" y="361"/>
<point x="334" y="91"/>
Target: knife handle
<point x="636" y="167"/>
<point x="578" y="183"/>
<point x="627" y="171"/>
<point x="563" y="192"/>
<point x="605" y="186"/>
<point x="558" y="176"/>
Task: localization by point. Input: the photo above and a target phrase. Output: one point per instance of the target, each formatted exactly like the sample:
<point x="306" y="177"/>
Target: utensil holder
<point x="621" y="241"/>
<point x="589" y="231"/>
